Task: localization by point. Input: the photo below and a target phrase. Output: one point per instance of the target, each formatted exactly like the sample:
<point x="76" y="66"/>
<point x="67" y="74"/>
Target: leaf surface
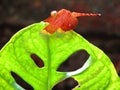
<point x="53" y="49"/>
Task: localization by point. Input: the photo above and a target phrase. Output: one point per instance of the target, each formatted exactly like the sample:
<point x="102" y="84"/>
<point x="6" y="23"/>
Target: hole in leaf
<point x="74" y="62"/>
<point x="67" y="84"/>
<point x="21" y="82"/>
<point x="37" y="60"/>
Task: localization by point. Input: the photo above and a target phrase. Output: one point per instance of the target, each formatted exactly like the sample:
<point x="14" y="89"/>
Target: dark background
<point x="104" y="31"/>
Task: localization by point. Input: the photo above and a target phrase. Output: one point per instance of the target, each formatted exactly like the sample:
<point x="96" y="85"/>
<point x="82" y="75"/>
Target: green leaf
<point x="98" y="73"/>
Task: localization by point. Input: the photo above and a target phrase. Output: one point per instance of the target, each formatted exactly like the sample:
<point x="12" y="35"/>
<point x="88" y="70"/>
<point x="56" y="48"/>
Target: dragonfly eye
<point x="54" y="13"/>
